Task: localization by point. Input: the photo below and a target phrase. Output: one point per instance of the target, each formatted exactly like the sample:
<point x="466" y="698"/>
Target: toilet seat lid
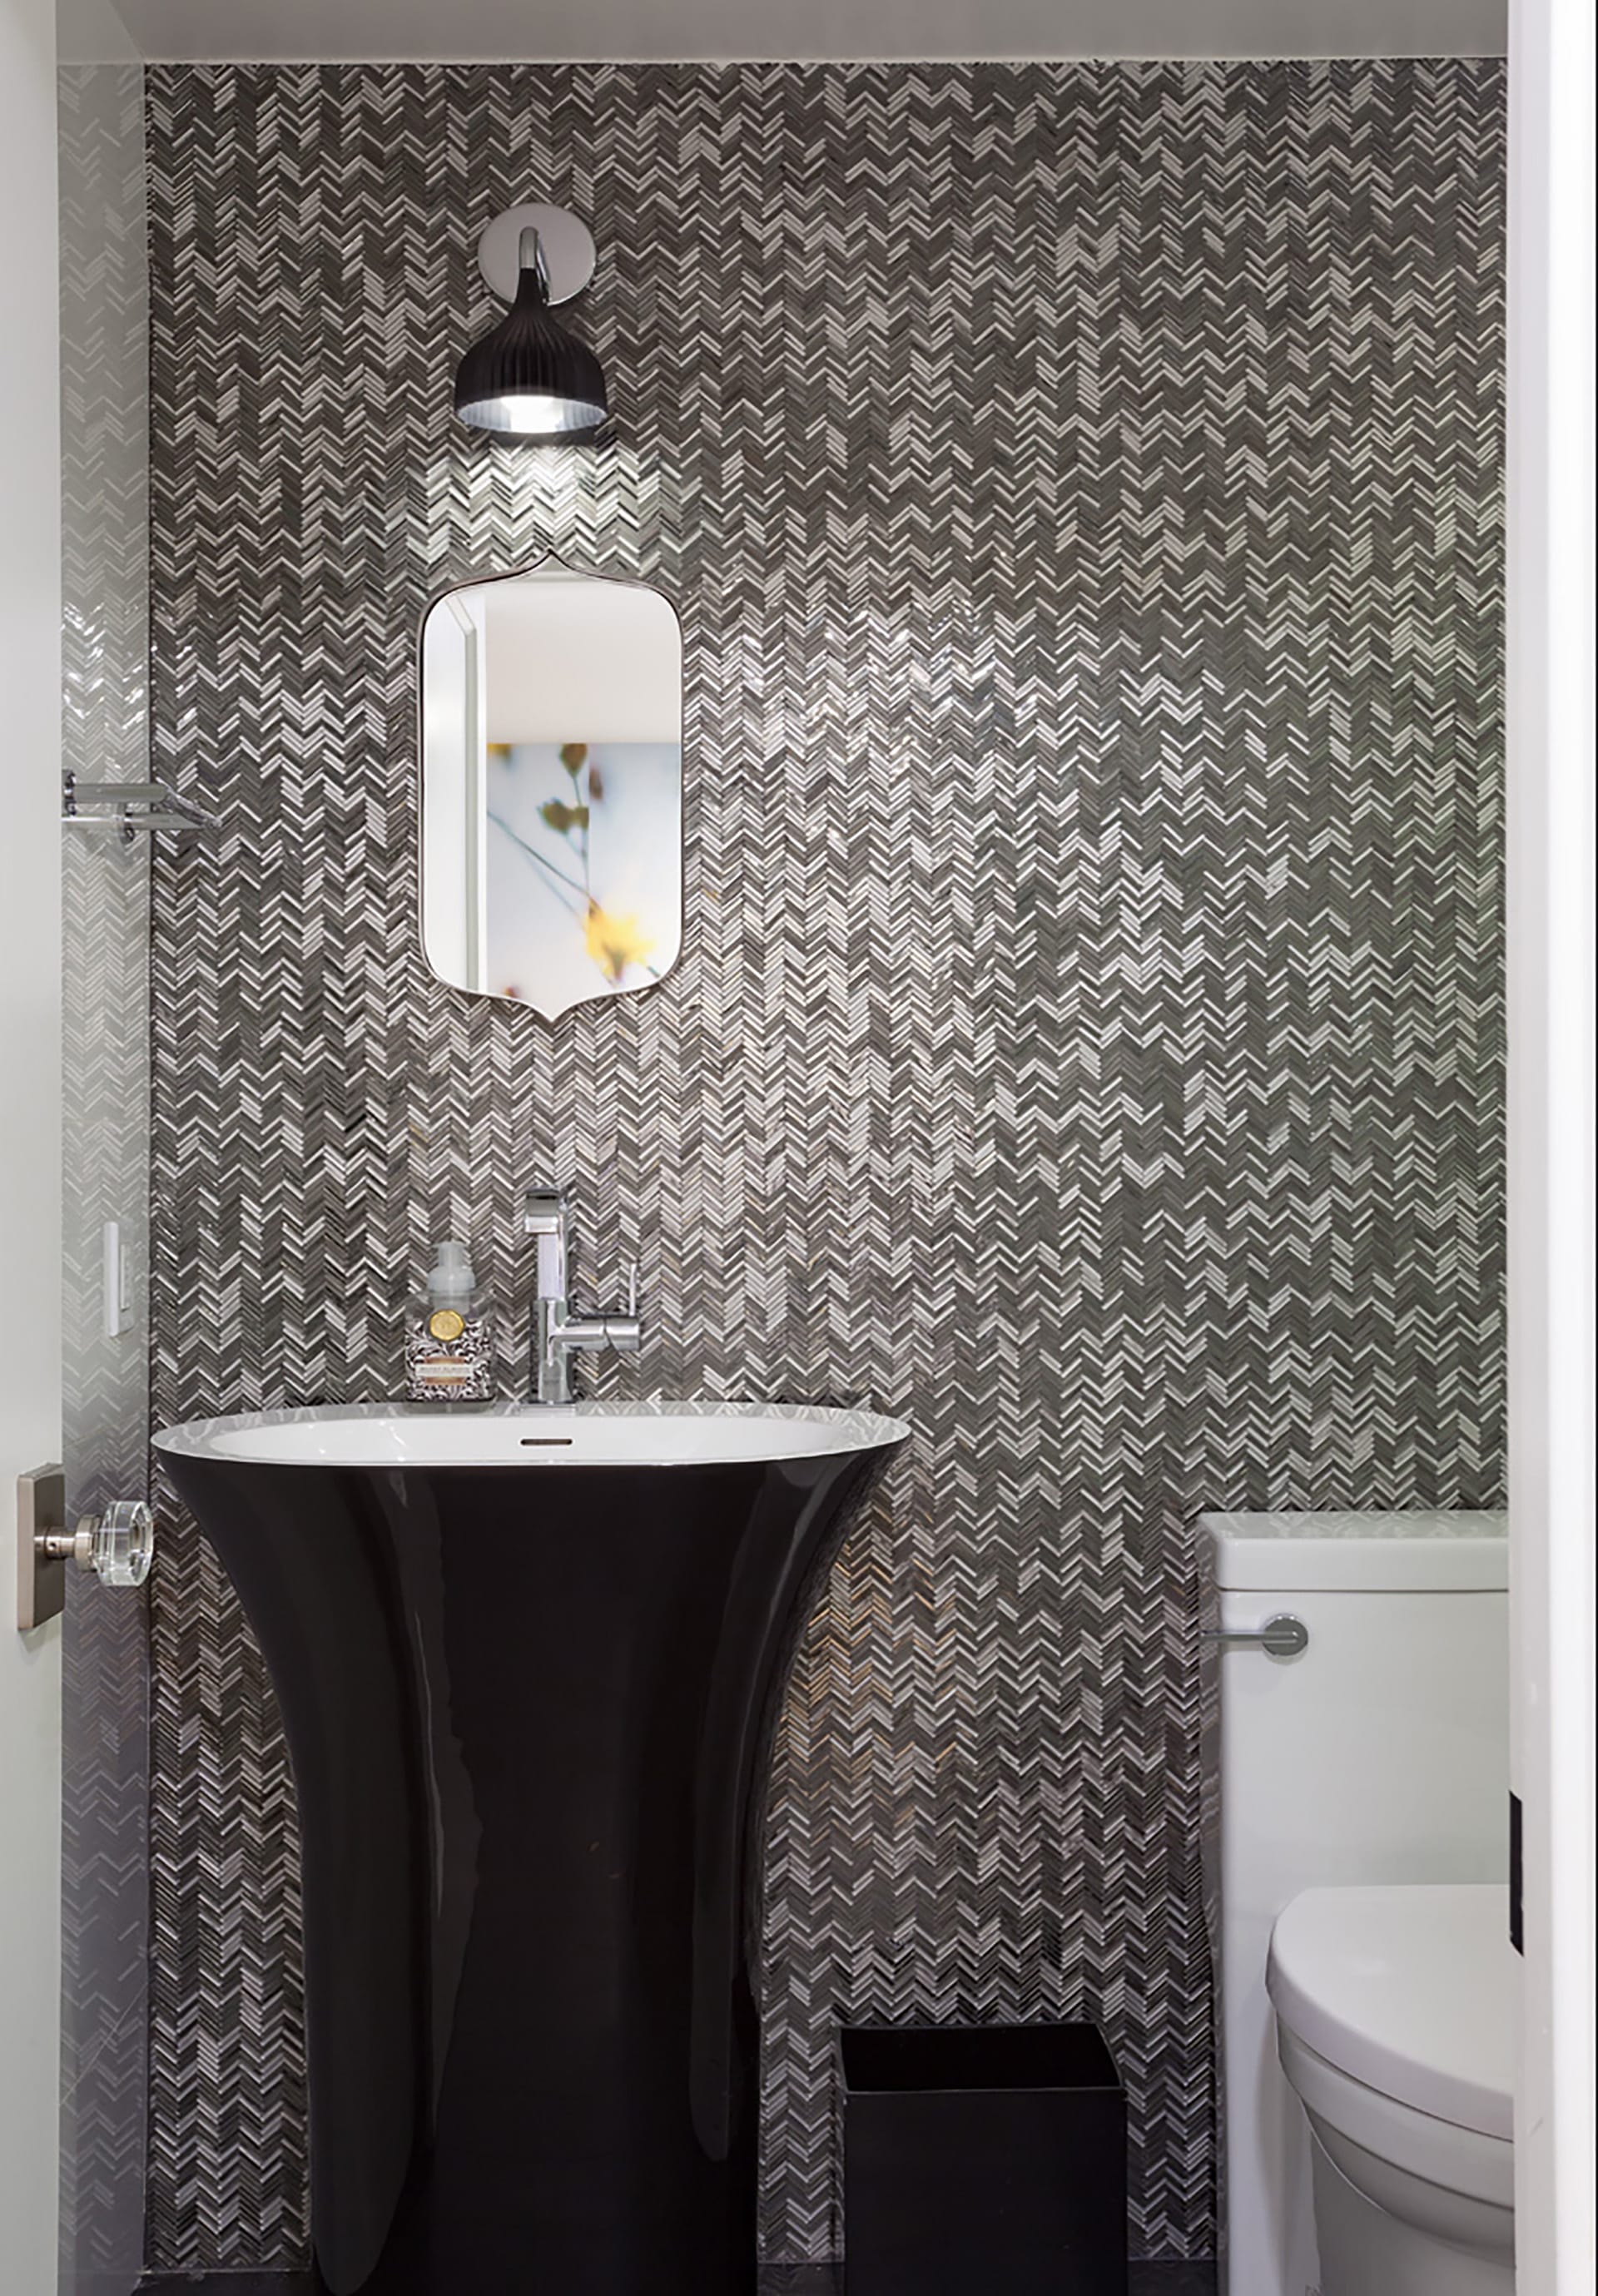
<point x="1409" y="1988"/>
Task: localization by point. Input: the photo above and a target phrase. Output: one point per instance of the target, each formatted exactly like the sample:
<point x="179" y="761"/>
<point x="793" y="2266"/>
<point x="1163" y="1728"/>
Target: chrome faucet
<point x="558" y="1335"/>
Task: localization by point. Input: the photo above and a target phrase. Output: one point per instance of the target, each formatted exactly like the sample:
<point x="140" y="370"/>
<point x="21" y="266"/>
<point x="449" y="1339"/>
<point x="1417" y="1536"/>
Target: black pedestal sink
<point x="527" y="1661"/>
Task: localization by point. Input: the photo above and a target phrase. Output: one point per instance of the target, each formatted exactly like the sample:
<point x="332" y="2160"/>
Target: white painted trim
<point x="799" y="31"/>
<point x="92" y="32"/>
<point x="1551" y="1121"/>
<point x="31" y="1217"/>
<point x="1390" y="50"/>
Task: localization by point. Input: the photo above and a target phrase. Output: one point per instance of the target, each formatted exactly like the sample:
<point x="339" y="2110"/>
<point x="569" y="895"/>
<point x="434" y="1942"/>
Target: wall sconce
<point x="528" y="378"/>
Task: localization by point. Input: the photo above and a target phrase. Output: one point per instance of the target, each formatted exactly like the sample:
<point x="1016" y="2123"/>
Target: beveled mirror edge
<point x="546" y="559"/>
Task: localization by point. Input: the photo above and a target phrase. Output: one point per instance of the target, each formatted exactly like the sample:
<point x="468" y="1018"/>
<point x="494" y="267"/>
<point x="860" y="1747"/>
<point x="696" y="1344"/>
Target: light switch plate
<point x="115" y="1287"/>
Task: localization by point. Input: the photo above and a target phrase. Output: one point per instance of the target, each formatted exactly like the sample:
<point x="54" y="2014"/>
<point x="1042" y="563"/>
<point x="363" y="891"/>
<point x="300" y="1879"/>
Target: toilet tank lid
<point x="1408" y="1986"/>
<point x="1415" y="1551"/>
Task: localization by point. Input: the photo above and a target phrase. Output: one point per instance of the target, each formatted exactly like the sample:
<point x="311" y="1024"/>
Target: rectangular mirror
<point x="551" y="787"/>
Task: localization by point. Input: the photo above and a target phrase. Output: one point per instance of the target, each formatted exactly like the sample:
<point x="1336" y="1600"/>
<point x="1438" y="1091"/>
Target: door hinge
<point x="1517" y="1874"/>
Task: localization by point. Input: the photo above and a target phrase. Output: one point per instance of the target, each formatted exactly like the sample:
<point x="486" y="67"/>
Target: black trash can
<point x="982" y="2160"/>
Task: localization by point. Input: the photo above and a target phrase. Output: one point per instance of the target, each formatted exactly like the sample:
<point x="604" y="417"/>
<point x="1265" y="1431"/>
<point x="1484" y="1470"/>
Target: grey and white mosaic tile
<point x="1080" y="487"/>
<point x="105" y="1050"/>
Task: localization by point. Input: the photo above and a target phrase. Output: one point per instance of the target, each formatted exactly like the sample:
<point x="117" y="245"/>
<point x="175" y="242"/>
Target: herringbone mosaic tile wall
<point x="1080" y="487"/>
<point x="105" y="1080"/>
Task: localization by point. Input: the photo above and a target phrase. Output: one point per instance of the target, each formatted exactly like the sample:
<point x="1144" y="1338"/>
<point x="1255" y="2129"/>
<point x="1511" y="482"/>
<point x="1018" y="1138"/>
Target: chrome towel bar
<point x="162" y="807"/>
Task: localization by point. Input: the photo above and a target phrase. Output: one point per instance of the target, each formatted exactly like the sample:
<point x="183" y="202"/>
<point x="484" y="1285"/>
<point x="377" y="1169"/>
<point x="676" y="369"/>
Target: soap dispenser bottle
<point x="447" y="1356"/>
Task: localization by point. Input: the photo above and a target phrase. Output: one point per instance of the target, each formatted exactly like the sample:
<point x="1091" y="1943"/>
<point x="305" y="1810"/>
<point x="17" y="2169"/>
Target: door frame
<point x="1551" y="1124"/>
<point x="30" y="1191"/>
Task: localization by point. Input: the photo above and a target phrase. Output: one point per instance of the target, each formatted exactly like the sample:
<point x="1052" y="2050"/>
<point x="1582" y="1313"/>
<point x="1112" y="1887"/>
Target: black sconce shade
<point x="528" y="378"/>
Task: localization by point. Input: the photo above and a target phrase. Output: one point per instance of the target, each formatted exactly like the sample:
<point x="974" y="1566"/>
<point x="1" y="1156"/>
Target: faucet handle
<point x="624" y="1330"/>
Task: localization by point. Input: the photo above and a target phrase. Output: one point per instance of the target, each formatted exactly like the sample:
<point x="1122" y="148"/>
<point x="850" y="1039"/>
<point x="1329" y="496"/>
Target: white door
<point x="1551" y="962"/>
<point x="30" y="1133"/>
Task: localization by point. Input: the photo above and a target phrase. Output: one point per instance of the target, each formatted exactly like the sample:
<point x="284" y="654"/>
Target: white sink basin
<point x="529" y="1435"/>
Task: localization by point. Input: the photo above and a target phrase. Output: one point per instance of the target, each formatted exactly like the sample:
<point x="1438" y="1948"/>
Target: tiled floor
<point x="801" y="2280"/>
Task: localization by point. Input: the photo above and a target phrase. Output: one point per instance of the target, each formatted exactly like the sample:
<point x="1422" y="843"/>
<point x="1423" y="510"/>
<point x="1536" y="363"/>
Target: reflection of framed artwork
<point x="551" y="787"/>
<point x="576" y="896"/>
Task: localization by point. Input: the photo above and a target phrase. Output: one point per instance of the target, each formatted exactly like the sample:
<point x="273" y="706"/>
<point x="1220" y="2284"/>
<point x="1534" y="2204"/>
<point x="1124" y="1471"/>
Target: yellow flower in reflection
<point x="614" y="942"/>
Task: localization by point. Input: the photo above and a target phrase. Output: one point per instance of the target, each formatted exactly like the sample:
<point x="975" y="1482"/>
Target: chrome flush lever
<point x="1283" y="1636"/>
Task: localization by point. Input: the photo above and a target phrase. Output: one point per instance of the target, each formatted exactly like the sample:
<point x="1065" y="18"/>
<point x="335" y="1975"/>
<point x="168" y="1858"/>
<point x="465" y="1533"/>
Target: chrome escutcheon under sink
<point x="529" y="1660"/>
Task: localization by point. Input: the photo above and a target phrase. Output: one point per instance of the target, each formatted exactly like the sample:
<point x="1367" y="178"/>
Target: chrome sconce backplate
<point x="564" y="240"/>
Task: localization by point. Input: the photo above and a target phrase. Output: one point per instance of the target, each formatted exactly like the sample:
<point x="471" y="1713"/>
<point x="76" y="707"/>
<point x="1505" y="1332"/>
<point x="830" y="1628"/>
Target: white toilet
<point x="1393" y="2024"/>
<point x="1356" y="1740"/>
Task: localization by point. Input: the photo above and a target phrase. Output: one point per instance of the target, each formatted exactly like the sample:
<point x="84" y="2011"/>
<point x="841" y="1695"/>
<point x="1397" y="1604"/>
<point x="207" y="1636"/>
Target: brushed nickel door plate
<point x="117" y="1546"/>
<point x="41" y="1571"/>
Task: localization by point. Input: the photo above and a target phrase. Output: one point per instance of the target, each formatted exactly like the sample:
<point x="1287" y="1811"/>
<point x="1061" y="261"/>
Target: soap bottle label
<point x="448" y="1355"/>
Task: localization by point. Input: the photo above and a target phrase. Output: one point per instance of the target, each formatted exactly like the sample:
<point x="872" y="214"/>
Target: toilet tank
<point x="1379" y="1753"/>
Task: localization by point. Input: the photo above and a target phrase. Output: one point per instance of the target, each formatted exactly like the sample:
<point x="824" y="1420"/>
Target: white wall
<point x="1551" y="1119"/>
<point x="30" y="1139"/>
<point x="92" y="32"/>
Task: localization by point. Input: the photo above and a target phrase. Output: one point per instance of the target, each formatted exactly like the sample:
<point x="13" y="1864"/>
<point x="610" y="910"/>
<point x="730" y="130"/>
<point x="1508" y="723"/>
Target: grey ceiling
<point x="534" y="30"/>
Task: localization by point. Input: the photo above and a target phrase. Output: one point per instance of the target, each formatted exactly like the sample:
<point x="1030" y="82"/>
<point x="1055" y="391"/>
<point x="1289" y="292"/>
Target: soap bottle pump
<point x="447" y="1356"/>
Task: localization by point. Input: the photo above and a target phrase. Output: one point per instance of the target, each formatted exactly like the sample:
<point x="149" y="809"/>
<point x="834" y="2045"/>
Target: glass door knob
<point x="117" y="1546"/>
